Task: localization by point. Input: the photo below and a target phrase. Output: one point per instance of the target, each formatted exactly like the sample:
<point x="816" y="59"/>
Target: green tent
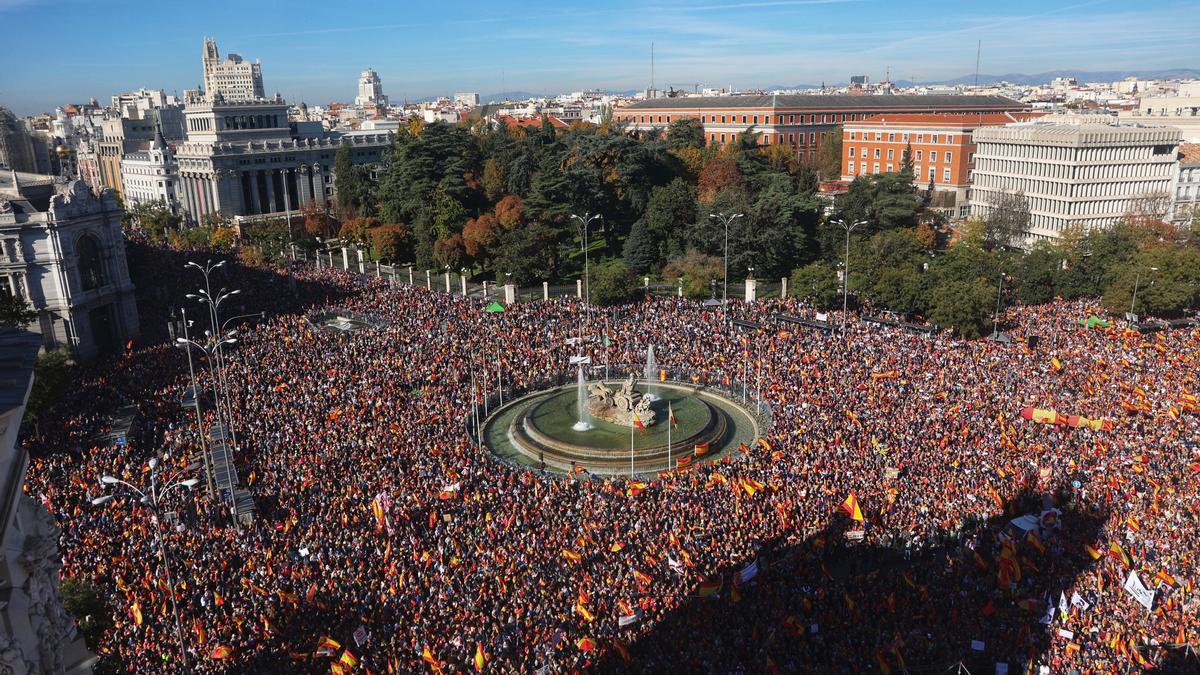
<point x="494" y="307"/>
<point x="1094" y="322"/>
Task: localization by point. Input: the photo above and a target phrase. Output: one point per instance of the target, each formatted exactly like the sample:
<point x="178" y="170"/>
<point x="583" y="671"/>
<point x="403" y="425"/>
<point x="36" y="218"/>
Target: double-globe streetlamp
<point x="206" y="296"/>
<point x="152" y="500"/>
<point x="848" y="227"/>
<point x="585" y="222"/>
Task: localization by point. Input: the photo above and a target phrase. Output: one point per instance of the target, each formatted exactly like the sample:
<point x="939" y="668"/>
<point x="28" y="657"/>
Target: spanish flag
<point x="348" y="659"/>
<point x="583" y="611"/>
<point x="1119" y="553"/>
<point x="850" y="506"/>
<point x="671" y="416"/>
<point x="427" y="657"/>
<point x="136" y="610"/>
<point x="586" y="645"/>
<point x="480" y="657"/>
<point x="642" y="577"/>
<point x="1056" y="364"/>
<point x="637" y="422"/>
<point x="221" y="652"/>
<point x="662" y="376"/>
<point x="1165" y="577"/>
<point x="765" y="445"/>
<point x="701" y="449"/>
<point x="1093" y="553"/>
<point x="571" y="555"/>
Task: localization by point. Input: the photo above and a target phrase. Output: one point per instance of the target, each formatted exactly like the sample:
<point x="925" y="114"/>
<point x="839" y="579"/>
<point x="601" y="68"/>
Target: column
<point x="410" y="275"/>
<point x="447" y="281"/>
<point x="545" y="290"/>
<point x="510" y="294"/>
<point x="463" y="279"/>
<point x="579" y="288"/>
<point x="428" y="281"/>
<point x="345" y="258"/>
<point x="319" y="183"/>
<point x="255" y="203"/>
<point x="751" y="290"/>
<point x="305" y="194"/>
<point x="783" y="288"/>
<point x="272" y="201"/>
<point x="361" y="269"/>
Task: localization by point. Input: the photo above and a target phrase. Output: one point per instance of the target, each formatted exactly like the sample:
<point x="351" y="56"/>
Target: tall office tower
<point x="370" y="90"/>
<point x="234" y="79"/>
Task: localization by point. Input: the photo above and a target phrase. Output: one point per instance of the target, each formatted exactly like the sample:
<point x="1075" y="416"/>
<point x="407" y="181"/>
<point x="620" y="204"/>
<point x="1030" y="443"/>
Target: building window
<point x="875" y="167"/>
<point x="933" y="155"/>
<point x="891" y="138"/>
<point x="812" y="137"/>
<point x="891" y="154"/>
<point x="876" y="153"/>
<point x="851" y="152"/>
<point x="890" y="168"/>
<point x="946" y="175"/>
<point x="91" y="268"/>
<point x="919" y="154"/>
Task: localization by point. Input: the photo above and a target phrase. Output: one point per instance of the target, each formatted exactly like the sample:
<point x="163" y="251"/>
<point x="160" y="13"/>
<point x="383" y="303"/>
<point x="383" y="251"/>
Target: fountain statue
<point x="619" y="407"/>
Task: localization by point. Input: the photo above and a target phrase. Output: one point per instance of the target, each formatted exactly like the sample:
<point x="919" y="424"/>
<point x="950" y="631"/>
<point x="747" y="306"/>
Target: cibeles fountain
<point x="618" y="427"/>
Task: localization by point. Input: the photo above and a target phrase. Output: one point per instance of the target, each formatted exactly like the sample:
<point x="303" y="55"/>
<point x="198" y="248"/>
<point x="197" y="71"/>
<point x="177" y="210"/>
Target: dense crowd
<point x="352" y="443"/>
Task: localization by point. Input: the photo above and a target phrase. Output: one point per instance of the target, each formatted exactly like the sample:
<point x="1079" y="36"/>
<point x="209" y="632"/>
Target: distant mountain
<point x="1080" y="75"/>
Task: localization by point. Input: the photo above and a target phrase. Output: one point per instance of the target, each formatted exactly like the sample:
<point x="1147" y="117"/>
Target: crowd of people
<point x="385" y="540"/>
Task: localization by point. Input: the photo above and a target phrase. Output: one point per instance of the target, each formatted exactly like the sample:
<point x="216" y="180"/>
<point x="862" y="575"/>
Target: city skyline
<point x="429" y="51"/>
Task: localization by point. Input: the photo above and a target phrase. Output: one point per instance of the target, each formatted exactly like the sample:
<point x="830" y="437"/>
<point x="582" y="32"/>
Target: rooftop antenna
<point x="978" y="48"/>
<point x="651" y="68"/>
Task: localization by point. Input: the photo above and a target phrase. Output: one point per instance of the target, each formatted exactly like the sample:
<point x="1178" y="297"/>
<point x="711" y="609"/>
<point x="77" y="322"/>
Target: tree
<point x="661" y="232"/>
<point x="830" y="163"/>
<point x="493" y="179"/>
<point x="685" y="132"/>
<point x="612" y="283"/>
<point x="479" y="235"/>
<point x="696" y="270"/>
<point x="317" y="223"/>
<point x="355" y="230"/>
<point x="642" y="249"/>
<point x="510" y="210"/>
<point x="816" y="283"/>
<point x="52" y="377"/>
<point x="1038" y="274"/>
<point x="153" y="218"/>
<point x="391" y="242"/>
<point x="717" y="176"/>
<point x="223" y="238"/>
<point x="450" y="252"/>
<point x="1167" y="280"/>
<point x="14" y="311"/>
<point x="964" y="306"/>
<point x="900" y="290"/>
<point x="906" y="158"/>
<point x="84" y="602"/>
<point x="351" y="185"/>
<point x="1008" y="220"/>
<point x="530" y="253"/>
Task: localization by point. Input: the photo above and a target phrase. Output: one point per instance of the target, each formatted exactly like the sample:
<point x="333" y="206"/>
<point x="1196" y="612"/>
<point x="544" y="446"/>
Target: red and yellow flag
<point x="571" y="555"/>
<point x="480" y="657"/>
<point x="850" y="506"/>
<point x="671" y="416"/>
<point x="136" y="611"/>
<point x="427" y="657"/>
<point x="221" y="652"/>
<point x="348" y="659"/>
<point x="1092" y="553"/>
<point x="586" y="644"/>
<point x="637" y="422"/>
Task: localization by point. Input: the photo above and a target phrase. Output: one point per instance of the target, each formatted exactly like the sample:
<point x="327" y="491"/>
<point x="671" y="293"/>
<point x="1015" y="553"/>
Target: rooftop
<point x="1080" y="134"/>
<point x="821" y="102"/>
<point x="949" y="119"/>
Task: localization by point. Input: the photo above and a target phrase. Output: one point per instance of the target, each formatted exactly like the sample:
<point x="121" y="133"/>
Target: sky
<point x="59" y="51"/>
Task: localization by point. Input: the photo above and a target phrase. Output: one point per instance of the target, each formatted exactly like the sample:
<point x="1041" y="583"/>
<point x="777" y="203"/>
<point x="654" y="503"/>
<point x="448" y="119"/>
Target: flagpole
<point x="631" y="428"/>
<point x="670" y="422"/>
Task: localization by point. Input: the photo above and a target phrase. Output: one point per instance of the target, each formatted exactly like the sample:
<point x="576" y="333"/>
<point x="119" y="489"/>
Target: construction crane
<point x="672" y="92"/>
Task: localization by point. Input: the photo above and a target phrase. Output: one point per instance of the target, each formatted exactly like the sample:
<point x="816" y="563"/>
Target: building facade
<point x="16" y="147"/>
<point x="234" y="79"/>
<point x="149" y="176"/>
<point x="36" y="634"/>
<point x="942" y="152"/>
<point x="246" y="158"/>
<point x="63" y="251"/>
<point x="370" y="91"/>
<point x="1073" y="176"/>
<point x="1186" y="206"/>
<point x="120" y="136"/>
<point x="797" y="121"/>
<point x="1182" y="112"/>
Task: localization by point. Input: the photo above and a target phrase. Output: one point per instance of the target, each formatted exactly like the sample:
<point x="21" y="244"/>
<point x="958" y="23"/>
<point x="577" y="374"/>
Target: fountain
<point x="581" y="413"/>
<point x="651" y="374"/>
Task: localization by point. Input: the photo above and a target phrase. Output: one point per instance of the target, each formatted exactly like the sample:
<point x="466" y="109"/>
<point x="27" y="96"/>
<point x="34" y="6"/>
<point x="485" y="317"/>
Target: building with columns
<point x="1074" y="176"/>
<point x="63" y="251"/>
<point x="246" y="158"/>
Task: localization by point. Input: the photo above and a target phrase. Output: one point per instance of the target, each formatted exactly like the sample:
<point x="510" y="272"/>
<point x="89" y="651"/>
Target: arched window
<point x="91" y="268"/>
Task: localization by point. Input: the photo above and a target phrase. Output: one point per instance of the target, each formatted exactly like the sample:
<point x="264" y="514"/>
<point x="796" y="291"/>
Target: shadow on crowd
<point x="830" y="605"/>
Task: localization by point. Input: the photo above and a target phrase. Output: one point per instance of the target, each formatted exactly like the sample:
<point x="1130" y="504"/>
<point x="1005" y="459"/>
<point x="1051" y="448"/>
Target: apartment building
<point x="798" y="121"/>
<point x="1085" y="176"/>
<point x="941" y="147"/>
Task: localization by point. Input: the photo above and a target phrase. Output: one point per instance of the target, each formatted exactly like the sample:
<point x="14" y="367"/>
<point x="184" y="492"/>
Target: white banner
<point x="1078" y="601"/>
<point x="576" y="360"/>
<point x="1135" y="587"/>
<point x="748" y="572"/>
<point x="630" y="619"/>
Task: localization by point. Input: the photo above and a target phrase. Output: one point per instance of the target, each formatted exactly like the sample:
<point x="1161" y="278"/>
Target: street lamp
<point x="196" y="401"/>
<point x="1136" y="281"/>
<point x="846" y="272"/>
<point x="585" y="222"/>
<point x="152" y="500"/>
<point x="996" y="314"/>
<point x="205" y="296"/>
<point x="725" y="219"/>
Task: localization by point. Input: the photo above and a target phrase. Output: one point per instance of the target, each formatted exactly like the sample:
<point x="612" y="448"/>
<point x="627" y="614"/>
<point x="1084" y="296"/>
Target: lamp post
<point x="1137" y="280"/>
<point x="208" y="481"/>
<point x="996" y="314"/>
<point x="152" y="500"/>
<point x="205" y="296"/>
<point x="725" y="219"/>
<point x="585" y="222"/>
<point x="846" y="271"/>
<point x="210" y="348"/>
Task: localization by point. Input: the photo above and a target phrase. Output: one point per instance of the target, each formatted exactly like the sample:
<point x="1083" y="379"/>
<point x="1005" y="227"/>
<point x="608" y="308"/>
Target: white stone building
<point x="235" y="79"/>
<point x="150" y="175"/>
<point x="1186" y="204"/>
<point x="62" y="249"/>
<point x="1182" y="112"/>
<point x="1085" y="176"/>
<point x="370" y="91"/>
<point x="36" y="633"/>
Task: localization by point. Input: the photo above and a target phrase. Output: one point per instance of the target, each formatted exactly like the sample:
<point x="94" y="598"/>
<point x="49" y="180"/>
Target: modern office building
<point x="941" y="147"/>
<point x="37" y="634"/>
<point x="120" y="136"/>
<point x="797" y="121"/>
<point x="370" y="91"/>
<point x="63" y="251"/>
<point x="1073" y="176"/>
<point x="234" y="79"/>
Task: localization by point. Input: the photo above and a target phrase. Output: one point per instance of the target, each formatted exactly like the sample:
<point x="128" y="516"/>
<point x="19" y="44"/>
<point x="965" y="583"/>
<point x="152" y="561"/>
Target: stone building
<point x="62" y="249"/>
<point x="1073" y="176"/>
<point x="36" y="634"/>
<point x="370" y="91"/>
<point x="16" y="146"/>
<point x="149" y="176"/>
<point x="234" y="79"/>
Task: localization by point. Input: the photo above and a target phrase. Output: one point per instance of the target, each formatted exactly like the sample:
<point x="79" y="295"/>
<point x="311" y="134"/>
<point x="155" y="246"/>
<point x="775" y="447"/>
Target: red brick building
<point x="798" y="121"/>
<point x="942" y="150"/>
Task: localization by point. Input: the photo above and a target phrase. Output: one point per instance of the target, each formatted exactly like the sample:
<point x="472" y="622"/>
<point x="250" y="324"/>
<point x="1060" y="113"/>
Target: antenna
<point x="978" y="48"/>
<point x="651" y="68"/>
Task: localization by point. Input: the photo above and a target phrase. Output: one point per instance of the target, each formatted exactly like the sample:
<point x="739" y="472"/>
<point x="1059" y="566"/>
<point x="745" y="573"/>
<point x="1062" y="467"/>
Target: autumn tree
<point x="317" y="223"/>
<point x="719" y="175"/>
<point x="510" y="210"/>
<point x="390" y="242"/>
<point x="479" y="235"/>
<point x="1008" y="220"/>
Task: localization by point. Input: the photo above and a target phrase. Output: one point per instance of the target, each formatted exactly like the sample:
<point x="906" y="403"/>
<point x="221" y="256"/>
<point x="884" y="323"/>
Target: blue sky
<point x="56" y="51"/>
